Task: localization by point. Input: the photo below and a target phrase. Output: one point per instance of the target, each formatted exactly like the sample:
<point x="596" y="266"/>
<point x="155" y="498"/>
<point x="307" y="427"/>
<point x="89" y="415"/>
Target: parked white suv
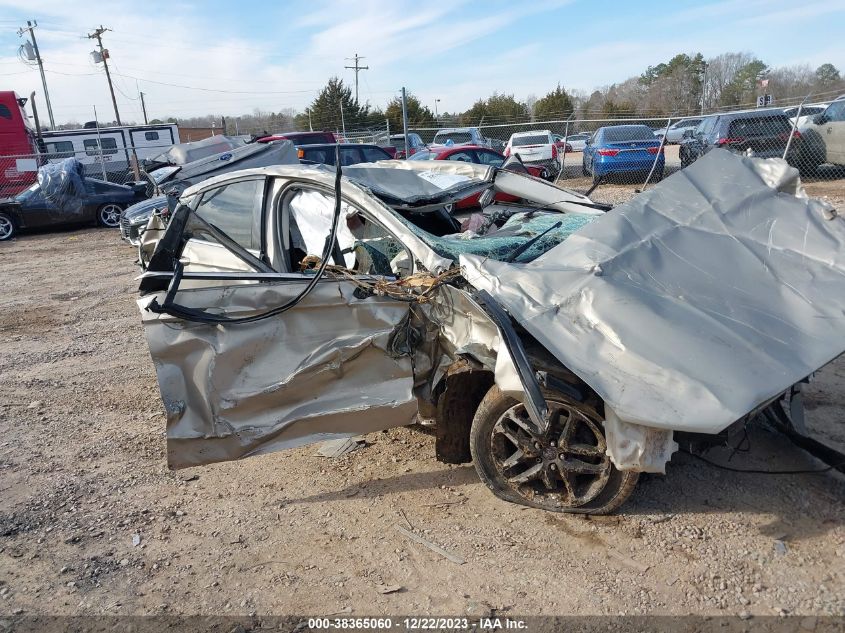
<point x="808" y="112"/>
<point x="536" y="147"/>
<point x="822" y="139"/>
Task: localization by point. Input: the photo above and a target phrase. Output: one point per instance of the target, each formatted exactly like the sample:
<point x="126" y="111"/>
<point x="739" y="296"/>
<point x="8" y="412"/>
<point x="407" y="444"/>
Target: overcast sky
<point x="201" y="57"/>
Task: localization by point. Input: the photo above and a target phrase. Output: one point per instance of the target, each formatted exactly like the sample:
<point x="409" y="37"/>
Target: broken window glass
<point x="364" y="246"/>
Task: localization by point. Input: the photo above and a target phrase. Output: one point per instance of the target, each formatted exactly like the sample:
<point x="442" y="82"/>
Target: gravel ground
<point x="92" y="522"/>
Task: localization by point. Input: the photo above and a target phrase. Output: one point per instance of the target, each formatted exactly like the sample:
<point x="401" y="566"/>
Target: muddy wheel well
<point x="465" y="384"/>
<point x="460" y="392"/>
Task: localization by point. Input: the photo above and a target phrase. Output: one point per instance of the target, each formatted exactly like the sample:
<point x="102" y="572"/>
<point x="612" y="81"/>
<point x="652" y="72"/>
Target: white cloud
<point x="186" y="44"/>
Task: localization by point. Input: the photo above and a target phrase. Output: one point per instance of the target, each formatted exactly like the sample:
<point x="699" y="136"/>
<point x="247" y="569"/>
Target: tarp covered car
<point x="562" y="367"/>
<point x="64" y="196"/>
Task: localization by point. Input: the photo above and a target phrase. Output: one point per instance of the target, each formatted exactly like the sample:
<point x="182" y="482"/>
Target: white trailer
<point x="110" y="150"/>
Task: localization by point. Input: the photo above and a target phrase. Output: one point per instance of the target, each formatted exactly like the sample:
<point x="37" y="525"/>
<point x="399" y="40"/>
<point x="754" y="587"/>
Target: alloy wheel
<point x="7" y="228"/>
<point x="565" y="467"/>
<point x="109" y="215"/>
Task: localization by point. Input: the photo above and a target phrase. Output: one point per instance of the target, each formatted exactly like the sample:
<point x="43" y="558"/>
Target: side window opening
<point x="363" y="246"/>
<point x="836" y="111"/>
<point x="93" y="146"/>
<point x="204" y="251"/>
<point x="60" y="149"/>
<point x="231" y="209"/>
<point x="372" y="154"/>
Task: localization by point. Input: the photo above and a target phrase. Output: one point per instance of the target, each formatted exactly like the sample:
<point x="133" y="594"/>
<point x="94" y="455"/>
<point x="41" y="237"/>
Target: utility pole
<point x="97" y="35"/>
<point x="356" y="68"/>
<point x="143" y="107"/>
<point x="703" y="85"/>
<point x="405" y="120"/>
<point x="30" y="27"/>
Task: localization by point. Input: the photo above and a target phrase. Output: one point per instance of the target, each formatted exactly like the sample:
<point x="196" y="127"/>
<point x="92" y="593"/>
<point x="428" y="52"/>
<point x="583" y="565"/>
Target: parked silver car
<point x="675" y="132"/>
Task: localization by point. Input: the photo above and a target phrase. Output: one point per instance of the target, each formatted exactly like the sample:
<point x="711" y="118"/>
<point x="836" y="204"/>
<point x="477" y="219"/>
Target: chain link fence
<point x="618" y="156"/>
<point x="622" y="155"/>
<point x="116" y="165"/>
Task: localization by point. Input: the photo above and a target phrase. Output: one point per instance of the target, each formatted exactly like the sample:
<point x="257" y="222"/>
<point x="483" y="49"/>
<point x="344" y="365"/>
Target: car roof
<point x="613" y="127"/>
<point x="752" y="114"/>
<point x="290" y="135"/>
<point x="460" y="148"/>
<point x="530" y="133"/>
<point x="341" y="145"/>
<point x="456" y="129"/>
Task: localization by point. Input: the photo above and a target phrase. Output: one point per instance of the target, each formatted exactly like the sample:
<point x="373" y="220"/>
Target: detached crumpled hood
<point x="694" y="303"/>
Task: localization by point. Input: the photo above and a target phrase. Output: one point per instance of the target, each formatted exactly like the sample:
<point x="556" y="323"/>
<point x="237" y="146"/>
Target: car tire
<point x="532" y="477"/>
<point x="108" y="215"/>
<point x="7" y="227"/>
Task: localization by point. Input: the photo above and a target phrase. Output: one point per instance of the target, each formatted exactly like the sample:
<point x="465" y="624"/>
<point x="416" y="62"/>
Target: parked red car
<point x="479" y="156"/>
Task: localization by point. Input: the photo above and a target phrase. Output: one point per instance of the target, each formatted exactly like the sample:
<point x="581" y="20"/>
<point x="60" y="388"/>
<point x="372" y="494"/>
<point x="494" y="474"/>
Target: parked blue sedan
<point x="618" y="149"/>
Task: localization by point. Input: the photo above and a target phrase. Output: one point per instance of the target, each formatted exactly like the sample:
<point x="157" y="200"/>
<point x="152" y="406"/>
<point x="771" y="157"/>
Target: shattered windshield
<point x="521" y="238"/>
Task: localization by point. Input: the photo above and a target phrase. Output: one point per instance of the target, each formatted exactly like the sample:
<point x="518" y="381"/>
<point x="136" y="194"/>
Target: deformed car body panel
<point x="337" y="366"/>
<point x="694" y="303"/>
<point x="328" y="368"/>
<point x="538" y="192"/>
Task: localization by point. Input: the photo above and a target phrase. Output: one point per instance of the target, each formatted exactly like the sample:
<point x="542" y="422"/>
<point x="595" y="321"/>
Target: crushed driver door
<point x="334" y="365"/>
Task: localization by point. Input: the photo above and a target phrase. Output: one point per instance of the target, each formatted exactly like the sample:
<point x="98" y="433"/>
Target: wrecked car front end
<point x="563" y="357"/>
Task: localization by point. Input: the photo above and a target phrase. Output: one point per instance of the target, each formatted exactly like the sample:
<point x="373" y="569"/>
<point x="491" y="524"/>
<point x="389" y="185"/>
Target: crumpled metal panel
<point x="535" y="191"/>
<point x="694" y="303"/>
<point x="414" y="189"/>
<point x="245" y="157"/>
<point x="643" y="449"/>
<point x="182" y="153"/>
<point x="333" y="367"/>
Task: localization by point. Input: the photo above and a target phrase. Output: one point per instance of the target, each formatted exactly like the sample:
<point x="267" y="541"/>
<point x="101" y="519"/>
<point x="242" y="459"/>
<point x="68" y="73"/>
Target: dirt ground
<point x="92" y="521"/>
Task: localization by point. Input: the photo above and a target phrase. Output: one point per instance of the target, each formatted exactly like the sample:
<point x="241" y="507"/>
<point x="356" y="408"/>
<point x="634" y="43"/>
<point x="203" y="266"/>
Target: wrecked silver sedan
<point x="562" y="349"/>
